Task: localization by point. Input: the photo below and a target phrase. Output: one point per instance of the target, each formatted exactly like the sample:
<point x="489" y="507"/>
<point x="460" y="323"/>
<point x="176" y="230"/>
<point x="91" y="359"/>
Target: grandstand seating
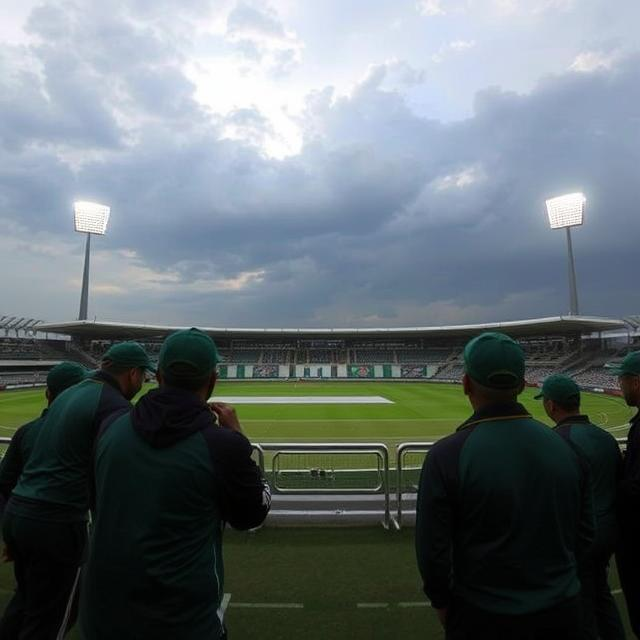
<point x="28" y="349"/>
<point x="450" y="372"/>
<point x="597" y="377"/>
<point x="321" y="356"/>
<point x="372" y="356"/>
<point x="545" y="355"/>
<point x="245" y="356"/>
<point x="276" y="356"/>
<point x="422" y="356"/>
<point x="535" y="374"/>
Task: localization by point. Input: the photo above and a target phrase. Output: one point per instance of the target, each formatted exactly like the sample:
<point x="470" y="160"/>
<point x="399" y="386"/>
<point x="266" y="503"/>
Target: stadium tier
<point x="576" y="345"/>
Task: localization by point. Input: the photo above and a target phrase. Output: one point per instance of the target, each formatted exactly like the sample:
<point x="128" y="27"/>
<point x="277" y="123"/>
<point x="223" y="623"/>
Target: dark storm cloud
<point x="384" y="217"/>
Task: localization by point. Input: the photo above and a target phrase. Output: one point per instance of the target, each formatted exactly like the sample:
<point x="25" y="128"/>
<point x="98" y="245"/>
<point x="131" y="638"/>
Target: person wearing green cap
<point x="168" y="475"/>
<point x="45" y="520"/>
<point x="628" y="550"/>
<point x="59" y="378"/>
<point x="503" y="509"/>
<point x="561" y="398"/>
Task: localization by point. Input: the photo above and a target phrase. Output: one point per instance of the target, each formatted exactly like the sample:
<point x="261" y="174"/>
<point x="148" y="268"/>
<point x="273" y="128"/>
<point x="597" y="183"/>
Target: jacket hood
<point x="163" y="417"/>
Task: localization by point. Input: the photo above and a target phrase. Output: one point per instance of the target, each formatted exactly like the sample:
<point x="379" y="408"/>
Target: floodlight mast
<point x="90" y="218"/>
<point x="565" y="212"/>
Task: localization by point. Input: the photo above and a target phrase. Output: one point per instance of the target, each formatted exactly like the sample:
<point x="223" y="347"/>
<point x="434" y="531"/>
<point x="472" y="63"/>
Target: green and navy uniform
<point x="167" y="480"/>
<point x="602" y="453"/>
<point x="17" y="454"/>
<point x="45" y="520"/>
<point x="504" y="508"/>
<point x="628" y="550"/>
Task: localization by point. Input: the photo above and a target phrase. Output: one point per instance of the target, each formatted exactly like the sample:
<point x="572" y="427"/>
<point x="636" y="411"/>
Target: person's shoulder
<point x="604" y="436"/>
<point x="226" y="442"/>
<point x="542" y="429"/>
<point x="25" y="428"/>
<point x="452" y="444"/>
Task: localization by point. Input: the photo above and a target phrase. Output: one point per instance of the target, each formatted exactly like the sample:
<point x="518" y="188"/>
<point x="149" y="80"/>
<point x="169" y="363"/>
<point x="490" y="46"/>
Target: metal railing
<point x="322" y="484"/>
<point x="401" y="453"/>
<point x="327" y="482"/>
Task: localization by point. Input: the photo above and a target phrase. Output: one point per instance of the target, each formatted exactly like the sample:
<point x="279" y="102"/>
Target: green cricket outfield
<point x="416" y="411"/>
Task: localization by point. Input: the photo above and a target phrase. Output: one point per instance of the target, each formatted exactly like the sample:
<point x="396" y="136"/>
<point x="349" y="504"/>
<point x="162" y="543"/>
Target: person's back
<point x="518" y="495"/>
<point x="605" y="461"/>
<point x="45" y="519"/>
<point x="561" y="398"/>
<point x="167" y="478"/>
<point x="503" y="510"/>
<point x="56" y="471"/>
<point x="17" y="454"/>
<point x="60" y="377"/>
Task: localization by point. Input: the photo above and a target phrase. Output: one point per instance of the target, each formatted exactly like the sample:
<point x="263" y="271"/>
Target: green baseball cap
<point x="630" y="365"/>
<point x="494" y="360"/>
<point x="65" y="375"/>
<point x="559" y="388"/>
<point x="128" y="354"/>
<point x="189" y="353"/>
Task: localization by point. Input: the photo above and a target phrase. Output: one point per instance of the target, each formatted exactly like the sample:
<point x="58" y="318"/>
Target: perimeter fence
<point x="347" y="483"/>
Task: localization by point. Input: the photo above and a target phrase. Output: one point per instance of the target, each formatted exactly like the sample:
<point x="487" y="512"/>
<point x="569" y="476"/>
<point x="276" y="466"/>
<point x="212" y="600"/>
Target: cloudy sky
<point x="312" y="163"/>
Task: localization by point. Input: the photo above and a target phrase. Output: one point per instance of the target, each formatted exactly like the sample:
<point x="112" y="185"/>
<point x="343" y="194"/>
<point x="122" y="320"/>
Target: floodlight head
<point x="91" y="217"/>
<point x="566" y="211"/>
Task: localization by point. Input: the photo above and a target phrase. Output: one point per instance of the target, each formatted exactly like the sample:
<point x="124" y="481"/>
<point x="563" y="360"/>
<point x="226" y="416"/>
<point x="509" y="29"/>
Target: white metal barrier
<point x="319" y="481"/>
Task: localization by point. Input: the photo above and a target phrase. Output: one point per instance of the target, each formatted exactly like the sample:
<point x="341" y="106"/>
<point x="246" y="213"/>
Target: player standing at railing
<point x="59" y="378"/>
<point x="628" y="552"/>
<point x="45" y="520"/>
<point x="167" y="478"/>
<point x="503" y="509"/>
<point x="561" y="398"/>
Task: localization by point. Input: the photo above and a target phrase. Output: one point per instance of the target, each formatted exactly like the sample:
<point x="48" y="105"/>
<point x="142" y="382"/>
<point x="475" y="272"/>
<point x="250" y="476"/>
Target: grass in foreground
<point x="326" y="573"/>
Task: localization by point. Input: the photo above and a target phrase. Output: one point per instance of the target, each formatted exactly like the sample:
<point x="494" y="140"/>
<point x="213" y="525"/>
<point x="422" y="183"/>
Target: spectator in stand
<point x="561" y="398"/>
<point x="628" y="551"/>
<point x="503" y="508"/>
<point x="45" y="520"/>
<point x="59" y="378"/>
<point x="167" y="479"/>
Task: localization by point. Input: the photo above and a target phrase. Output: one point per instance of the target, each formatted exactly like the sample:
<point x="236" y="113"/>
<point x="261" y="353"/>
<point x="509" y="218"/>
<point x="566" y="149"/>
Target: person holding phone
<point x="167" y="479"/>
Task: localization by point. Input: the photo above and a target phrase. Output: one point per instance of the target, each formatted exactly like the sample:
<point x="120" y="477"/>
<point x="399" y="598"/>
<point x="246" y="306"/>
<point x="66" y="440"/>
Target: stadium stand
<point x="245" y="356"/>
<point x="418" y="355"/>
<point x="368" y="355"/>
<point x="276" y="356"/>
<point x="573" y="345"/>
<point x="450" y="372"/>
<point x="596" y="377"/>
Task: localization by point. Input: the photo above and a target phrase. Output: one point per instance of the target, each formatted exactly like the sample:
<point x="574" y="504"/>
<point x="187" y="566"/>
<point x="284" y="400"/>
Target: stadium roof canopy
<point x="559" y="325"/>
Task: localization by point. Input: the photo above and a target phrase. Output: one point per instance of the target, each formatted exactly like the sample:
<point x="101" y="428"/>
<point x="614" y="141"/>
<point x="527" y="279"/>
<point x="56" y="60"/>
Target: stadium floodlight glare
<point x="90" y="218"/>
<point x="565" y="212"/>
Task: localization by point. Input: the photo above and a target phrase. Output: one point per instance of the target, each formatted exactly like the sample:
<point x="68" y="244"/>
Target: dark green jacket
<point x="503" y="508"/>
<point x="629" y="498"/>
<point x="17" y="454"/>
<point x="167" y="479"/>
<point x="54" y="482"/>
<point x="605" y="462"/>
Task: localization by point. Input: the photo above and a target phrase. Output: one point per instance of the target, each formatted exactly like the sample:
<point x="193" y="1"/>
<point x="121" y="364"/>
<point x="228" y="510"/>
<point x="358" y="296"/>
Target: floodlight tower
<point x="90" y="218"/>
<point x="565" y="212"/>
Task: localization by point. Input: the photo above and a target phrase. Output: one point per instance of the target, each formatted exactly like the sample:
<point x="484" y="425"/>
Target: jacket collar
<point x="107" y="378"/>
<point x="578" y="419"/>
<point x="501" y="411"/>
